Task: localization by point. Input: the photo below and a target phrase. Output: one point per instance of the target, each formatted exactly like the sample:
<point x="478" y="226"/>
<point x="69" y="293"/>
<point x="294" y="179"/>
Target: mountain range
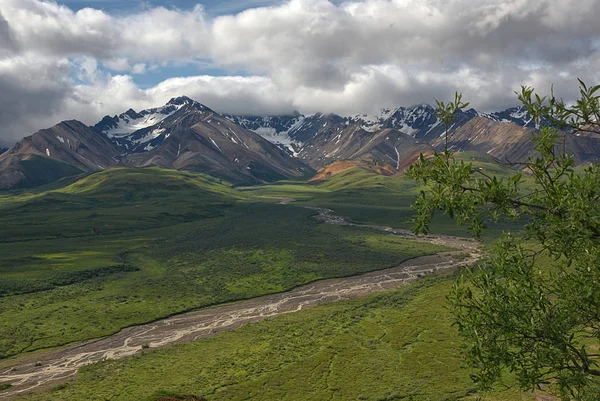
<point x="245" y="150"/>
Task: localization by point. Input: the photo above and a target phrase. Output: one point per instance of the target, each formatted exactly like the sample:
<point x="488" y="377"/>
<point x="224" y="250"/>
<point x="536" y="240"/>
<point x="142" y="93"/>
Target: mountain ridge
<point x="187" y="135"/>
<point x="183" y="134"/>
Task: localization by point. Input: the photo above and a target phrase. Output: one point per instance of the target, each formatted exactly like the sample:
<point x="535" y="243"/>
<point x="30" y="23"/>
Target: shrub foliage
<point x="533" y="306"/>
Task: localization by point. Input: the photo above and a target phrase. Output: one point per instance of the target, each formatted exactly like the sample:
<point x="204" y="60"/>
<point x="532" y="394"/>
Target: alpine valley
<point x="177" y="253"/>
<point x="248" y="150"/>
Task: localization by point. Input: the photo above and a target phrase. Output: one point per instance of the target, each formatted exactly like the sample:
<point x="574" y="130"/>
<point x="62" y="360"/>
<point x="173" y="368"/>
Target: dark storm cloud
<point x="33" y="92"/>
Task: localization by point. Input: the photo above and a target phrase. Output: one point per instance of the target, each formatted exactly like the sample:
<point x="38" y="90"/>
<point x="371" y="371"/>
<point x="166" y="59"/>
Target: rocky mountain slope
<point x="68" y="147"/>
<point x="320" y="139"/>
<point x="273" y="128"/>
<point x="183" y="134"/>
<point x="198" y="139"/>
<point x="517" y="115"/>
<point x="352" y="142"/>
<point x="511" y="143"/>
<point x="419" y="121"/>
<point x="187" y="135"/>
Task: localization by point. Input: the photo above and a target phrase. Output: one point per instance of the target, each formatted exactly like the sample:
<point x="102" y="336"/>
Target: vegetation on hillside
<point x="38" y="170"/>
<point x="369" y="198"/>
<point x="127" y="246"/>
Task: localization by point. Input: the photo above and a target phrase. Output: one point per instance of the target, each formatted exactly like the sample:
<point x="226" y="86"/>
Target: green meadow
<point x="85" y="257"/>
<point x="124" y="247"/>
<point x="367" y="198"/>
<point x="398" y="345"/>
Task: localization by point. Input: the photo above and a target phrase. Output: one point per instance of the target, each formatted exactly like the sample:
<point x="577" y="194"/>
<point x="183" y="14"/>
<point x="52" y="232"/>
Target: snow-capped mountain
<point x="131" y="121"/>
<point x="143" y="131"/>
<point x="418" y="121"/>
<point x="373" y="122"/>
<point x="275" y="129"/>
<point x="409" y="120"/>
<point x="517" y="115"/>
<point x="185" y="134"/>
<point x="320" y="139"/>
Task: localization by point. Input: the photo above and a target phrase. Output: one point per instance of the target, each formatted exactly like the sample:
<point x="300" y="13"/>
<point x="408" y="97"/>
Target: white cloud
<point x="54" y="30"/>
<point x="233" y="95"/>
<point x="311" y="55"/>
<point x="139" y="68"/>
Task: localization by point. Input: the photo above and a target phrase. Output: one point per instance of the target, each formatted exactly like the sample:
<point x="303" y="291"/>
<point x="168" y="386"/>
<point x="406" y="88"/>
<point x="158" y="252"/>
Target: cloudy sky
<point x="84" y="59"/>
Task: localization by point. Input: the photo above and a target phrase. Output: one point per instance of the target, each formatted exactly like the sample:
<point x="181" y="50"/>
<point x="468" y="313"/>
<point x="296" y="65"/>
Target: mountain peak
<point x="131" y="113"/>
<point x="186" y="103"/>
<point x="181" y="100"/>
<point x="517" y="114"/>
<point x="421" y="106"/>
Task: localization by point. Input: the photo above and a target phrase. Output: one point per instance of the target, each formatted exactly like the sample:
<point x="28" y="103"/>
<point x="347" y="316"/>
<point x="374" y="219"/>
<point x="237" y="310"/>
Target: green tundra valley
<point x="90" y="255"/>
<point x="299" y="200"/>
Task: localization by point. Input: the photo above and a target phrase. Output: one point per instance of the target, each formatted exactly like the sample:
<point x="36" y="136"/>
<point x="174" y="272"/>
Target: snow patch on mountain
<point x="418" y="119"/>
<point x="516" y="115"/>
<point x="127" y="123"/>
<point x="274" y="129"/>
<point x="217" y="146"/>
<point x="271" y="135"/>
<point x="155" y="133"/>
<point x="373" y="122"/>
<point x="133" y="130"/>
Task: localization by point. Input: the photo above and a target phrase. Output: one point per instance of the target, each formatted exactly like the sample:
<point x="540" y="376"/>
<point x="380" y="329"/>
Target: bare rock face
<point x="510" y="142"/>
<point x="66" y="149"/>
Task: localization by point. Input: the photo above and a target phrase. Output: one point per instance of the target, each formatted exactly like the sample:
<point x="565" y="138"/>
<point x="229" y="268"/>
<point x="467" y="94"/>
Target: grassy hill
<point x="39" y="170"/>
<point x="112" y="201"/>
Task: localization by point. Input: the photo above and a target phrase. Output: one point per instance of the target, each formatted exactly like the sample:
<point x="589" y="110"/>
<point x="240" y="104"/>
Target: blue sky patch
<point x="212" y="7"/>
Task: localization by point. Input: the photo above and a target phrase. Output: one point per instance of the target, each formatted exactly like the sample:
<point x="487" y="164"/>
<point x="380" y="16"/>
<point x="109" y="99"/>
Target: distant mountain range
<point x="187" y="135"/>
<point x="183" y="134"/>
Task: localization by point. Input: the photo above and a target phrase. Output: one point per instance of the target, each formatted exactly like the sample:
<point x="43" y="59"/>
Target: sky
<point x="212" y="7"/>
<point x="83" y="59"/>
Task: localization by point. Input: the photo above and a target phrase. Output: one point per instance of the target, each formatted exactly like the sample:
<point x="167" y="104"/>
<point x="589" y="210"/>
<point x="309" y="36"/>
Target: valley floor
<point x="101" y="257"/>
<point x="398" y="345"/>
<point x="41" y="370"/>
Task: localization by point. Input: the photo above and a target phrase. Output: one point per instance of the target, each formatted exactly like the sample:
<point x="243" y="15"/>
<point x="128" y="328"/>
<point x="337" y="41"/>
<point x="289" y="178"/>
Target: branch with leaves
<point x="446" y="112"/>
<point x="533" y="306"/>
